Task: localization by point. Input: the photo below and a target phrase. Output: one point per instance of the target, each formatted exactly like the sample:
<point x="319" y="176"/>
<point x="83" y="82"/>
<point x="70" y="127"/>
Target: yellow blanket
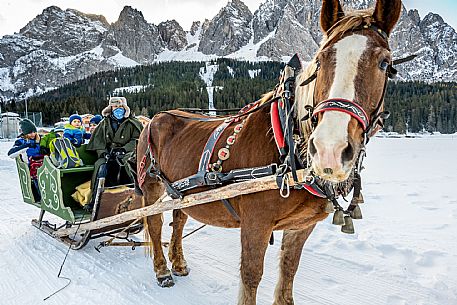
<point x="83" y="193"/>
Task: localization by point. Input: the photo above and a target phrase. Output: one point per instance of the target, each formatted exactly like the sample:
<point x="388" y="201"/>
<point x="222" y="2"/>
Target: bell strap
<point x="210" y="144"/>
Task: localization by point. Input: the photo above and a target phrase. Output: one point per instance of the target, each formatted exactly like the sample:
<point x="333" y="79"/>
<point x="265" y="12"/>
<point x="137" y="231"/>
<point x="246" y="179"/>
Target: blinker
<point x="309" y="113"/>
<point x="391" y="72"/>
<point x="385" y="115"/>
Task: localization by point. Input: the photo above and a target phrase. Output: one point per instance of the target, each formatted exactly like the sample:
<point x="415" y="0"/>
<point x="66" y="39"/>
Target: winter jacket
<point x="45" y="142"/>
<point x="104" y="138"/>
<point x="31" y="147"/>
<point x="75" y="135"/>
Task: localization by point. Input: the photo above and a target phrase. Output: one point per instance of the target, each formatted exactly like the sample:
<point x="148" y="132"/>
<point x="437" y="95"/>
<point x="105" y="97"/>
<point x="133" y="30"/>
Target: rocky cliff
<point x="59" y="47"/>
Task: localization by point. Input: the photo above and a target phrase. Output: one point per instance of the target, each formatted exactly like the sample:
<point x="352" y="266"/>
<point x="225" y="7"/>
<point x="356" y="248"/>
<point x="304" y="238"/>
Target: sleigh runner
<point x="56" y="186"/>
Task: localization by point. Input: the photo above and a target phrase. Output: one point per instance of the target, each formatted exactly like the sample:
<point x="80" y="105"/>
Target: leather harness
<point x="283" y="123"/>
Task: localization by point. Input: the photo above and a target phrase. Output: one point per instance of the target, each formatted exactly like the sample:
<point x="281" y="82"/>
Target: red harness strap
<point x="277" y="129"/>
<point x="141" y="167"/>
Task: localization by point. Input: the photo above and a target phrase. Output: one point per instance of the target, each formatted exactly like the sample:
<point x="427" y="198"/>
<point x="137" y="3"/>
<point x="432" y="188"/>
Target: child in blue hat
<point x="94" y="121"/>
<point x="74" y="131"/>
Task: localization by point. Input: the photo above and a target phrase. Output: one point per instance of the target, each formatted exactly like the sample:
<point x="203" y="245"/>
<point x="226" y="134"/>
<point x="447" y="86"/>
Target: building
<point x="9" y="125"/>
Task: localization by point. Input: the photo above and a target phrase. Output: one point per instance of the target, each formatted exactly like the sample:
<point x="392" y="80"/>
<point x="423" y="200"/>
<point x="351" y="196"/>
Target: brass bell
<point x="329" y="207"/>
<point x="338" y="218"/>
<point x="356" y="213"/>
<point x="348" y="227"/>
<point x="360" y="198"/>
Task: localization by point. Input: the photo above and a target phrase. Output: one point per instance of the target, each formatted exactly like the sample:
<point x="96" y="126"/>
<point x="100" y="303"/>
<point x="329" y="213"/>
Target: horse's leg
<point x="154" y="226"/>
<point x="254" y="242"/>
<point x="175" y="253"/>
<point x="291" y="249"/>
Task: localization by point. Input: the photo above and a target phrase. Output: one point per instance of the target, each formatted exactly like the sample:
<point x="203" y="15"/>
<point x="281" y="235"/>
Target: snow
<point x="62" y="62"/>
<point x="130" y="89"/>
<point x="231" y="71"/>
<point x="120" y="60"/>
<point x="207" y="75"/>
<point x="98" y="50"/>
<point x="5" y="80"/>
<point x="249" y="51"/>
<point x="403" y="251"/>
<point x="254" y="73"/>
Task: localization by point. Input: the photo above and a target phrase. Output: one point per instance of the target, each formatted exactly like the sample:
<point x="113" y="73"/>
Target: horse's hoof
<point x="165" y="281"/>
<point x="180" y="271"/>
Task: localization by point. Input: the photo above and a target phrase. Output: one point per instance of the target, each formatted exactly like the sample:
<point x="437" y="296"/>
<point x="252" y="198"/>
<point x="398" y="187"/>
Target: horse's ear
<point x="386" y="14"/>
<point x="331" y="12"/>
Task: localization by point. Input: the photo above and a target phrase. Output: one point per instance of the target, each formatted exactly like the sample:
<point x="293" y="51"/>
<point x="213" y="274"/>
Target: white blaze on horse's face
<point x="331" y="151"/>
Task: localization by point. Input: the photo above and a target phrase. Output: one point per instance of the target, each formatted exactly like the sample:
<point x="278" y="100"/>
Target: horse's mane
<point x="350" y="21"/>
<point x="266" y="97"/>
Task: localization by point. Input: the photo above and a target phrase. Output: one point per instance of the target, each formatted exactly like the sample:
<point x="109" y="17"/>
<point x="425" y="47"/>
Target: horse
<point x="350" y="69"/>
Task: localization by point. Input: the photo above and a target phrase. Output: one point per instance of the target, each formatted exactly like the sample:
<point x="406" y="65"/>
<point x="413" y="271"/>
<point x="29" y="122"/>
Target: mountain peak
<point x="58" y="47"/>
<point x="228" y="31"/>
<point x="129" y="12"/>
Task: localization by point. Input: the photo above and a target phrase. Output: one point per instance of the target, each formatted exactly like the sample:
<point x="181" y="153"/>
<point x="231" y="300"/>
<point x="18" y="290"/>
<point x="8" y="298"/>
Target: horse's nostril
<point x="348" y="153"/>
<point x="328" y="171"/>
<point x="312" y="148"/>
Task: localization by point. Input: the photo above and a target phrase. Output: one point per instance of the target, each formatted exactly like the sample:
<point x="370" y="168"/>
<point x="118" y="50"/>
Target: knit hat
<point x="75" y="117"/>
<point x="27" y="127"/>
<point x="96" y="119"/>
<point x="117" y="101"/>
<point x="59" y="129"/>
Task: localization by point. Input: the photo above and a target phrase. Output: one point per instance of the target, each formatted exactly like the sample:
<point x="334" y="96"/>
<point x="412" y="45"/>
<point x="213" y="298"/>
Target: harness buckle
<point x="284" y="190"/>
<point x="362" y="155"/>
<point x="310" y="180"/>
<point x="212" y="176"/>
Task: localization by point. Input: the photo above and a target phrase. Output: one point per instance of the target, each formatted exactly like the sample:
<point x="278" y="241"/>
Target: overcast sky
<point x="15" y="14"/>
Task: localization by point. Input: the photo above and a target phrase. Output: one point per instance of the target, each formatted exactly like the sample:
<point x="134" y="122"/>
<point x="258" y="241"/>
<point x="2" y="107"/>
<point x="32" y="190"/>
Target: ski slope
<point x="404" y="250"/>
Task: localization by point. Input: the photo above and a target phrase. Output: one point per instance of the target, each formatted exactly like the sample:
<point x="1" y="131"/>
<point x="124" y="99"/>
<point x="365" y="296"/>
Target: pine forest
<point x="414" y="106"/>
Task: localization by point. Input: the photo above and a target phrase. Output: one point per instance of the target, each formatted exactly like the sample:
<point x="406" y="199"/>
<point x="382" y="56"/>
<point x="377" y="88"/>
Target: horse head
<point x="347" y="95"/>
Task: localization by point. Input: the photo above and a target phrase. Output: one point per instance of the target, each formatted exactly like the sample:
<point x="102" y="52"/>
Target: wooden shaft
<point x="228" y="191"/>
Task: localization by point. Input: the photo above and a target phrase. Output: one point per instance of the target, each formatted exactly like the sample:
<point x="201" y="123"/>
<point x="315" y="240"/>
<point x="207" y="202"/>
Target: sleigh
<point x="56" y="186"/>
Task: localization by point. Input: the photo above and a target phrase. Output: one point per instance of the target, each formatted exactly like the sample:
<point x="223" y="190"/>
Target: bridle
<point x="369" y="123"/>
<point x="353" y="108"/>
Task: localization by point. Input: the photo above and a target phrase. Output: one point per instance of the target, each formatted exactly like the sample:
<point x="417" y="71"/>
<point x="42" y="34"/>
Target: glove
<point x="118" y="151"/>
<point x="103" y="155"/>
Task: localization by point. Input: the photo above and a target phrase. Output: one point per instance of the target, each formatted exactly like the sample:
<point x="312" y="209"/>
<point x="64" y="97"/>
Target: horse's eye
<point x="384" y="64"/>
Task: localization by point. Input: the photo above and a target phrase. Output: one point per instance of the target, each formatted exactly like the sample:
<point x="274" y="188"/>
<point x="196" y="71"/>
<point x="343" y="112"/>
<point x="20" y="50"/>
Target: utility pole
<point x="1" y="118"/>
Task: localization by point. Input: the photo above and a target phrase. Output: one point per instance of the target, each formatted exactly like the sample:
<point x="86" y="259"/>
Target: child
<point x="74" y="131"/>
<point x="93" y="123"/>
<point x="46" y="140"/>
<point x="29" y="143"/>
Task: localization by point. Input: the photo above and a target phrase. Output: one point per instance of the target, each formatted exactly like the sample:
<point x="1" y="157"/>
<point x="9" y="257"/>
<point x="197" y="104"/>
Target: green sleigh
<point x="56" y="187"/>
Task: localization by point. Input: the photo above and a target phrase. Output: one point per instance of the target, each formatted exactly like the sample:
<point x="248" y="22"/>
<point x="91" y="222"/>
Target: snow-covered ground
<point x="404" y="250"/>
